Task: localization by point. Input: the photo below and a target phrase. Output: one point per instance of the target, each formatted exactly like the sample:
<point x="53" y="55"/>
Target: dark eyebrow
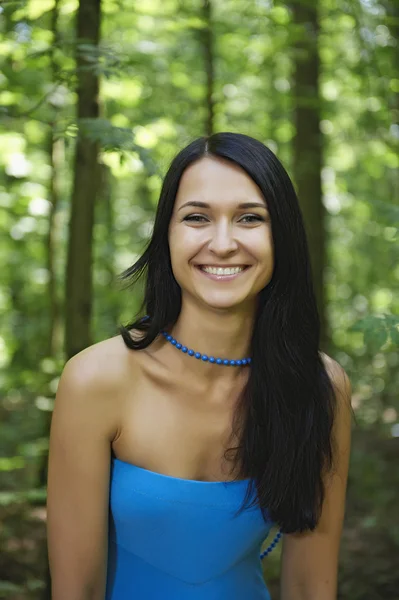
<point x="199" y="204"/>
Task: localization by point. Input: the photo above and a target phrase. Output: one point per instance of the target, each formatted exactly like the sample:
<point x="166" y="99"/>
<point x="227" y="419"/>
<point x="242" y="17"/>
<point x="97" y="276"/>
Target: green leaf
<point x="375" y="338"/>
<point x="394" y="333"/>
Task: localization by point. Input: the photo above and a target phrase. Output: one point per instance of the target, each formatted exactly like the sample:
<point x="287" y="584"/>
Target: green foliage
<point x="117" y="139"/>
<point x="377" y="330"/>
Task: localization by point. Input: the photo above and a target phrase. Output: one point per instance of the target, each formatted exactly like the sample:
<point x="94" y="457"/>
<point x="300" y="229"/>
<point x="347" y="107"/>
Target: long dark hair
<point x="285" y="413"/>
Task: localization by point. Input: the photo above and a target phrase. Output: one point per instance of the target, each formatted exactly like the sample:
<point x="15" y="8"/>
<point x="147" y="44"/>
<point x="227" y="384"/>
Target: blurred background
<point x="96" y="98"/>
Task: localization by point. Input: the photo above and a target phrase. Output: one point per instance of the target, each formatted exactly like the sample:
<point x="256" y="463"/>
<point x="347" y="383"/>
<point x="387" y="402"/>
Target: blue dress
<point x="172" y="539"/>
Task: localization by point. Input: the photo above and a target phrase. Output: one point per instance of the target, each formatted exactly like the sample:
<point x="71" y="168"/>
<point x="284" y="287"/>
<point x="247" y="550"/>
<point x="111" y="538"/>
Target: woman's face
<point x="220" y="221"/>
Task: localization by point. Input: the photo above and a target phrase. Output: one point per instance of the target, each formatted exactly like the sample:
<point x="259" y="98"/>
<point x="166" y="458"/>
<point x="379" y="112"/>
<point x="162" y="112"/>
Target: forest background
<point x="96" y="98"/>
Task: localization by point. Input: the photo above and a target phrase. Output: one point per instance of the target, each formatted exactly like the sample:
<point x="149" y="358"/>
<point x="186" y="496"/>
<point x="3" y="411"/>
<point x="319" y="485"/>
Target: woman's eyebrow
<point x="200" y="204"/>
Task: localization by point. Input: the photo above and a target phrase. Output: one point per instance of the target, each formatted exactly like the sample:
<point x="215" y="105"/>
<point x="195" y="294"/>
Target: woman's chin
<point x="220" y="303"/>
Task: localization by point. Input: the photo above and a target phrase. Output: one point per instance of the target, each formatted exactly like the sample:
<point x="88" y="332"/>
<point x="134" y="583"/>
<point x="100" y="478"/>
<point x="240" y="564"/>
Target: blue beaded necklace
<point x="204" y="357"/>
<point x="272" y="545"/>
<point x="226" y="362"/>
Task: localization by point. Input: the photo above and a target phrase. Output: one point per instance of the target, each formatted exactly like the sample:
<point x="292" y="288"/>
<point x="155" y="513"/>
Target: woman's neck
<point x="215" y="334"/>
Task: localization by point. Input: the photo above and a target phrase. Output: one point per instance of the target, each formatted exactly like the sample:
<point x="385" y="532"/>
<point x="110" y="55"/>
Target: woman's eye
<point x="252" y="218"/>
<point x="194" y="218"/>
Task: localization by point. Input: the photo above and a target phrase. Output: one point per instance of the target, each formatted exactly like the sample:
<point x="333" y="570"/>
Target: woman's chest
<point x="176" y="431"/>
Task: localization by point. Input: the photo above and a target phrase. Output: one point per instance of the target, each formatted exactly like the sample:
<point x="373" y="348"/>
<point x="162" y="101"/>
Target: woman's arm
<point x="83" y="426"/>
<point x="309" y="561"/>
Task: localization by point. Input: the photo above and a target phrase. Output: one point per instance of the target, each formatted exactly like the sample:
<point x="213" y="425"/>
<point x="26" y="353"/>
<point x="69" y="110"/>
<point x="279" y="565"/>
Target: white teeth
<point x="220" y="271"/>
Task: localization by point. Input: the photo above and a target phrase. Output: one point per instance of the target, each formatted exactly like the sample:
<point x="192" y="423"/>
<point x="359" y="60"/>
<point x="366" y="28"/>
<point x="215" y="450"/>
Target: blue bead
<point x="204" y="357"/>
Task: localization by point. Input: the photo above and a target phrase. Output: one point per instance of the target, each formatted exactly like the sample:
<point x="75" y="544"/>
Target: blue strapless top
<point x="172" y="539"/>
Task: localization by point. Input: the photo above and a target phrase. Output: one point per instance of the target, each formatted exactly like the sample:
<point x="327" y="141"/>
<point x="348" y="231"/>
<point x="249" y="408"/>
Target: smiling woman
<point x="169" y="468"/>
<point x="221" y="235"/>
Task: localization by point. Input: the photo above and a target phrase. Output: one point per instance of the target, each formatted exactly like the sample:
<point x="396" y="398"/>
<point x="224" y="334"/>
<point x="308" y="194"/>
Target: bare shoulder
<point x="92" y="382"/>
<point x="339" y="379"/>
<point x="101" y="364"/>
<point x="341" y="432"/>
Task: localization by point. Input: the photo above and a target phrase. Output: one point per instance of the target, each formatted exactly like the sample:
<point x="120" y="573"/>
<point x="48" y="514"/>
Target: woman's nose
<point x="222" y="240"/>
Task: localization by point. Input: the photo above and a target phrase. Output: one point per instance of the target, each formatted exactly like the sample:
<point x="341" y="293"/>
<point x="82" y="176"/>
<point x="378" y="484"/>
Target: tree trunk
<point x="392" y="11"/>
<point x="108" y="253"/>
<point x="307" y="145"/>
<point x="55" y="152"/>
<point x="55" y="325"/>
<point x="208" y="50"/>
<point x="78" y="306"/>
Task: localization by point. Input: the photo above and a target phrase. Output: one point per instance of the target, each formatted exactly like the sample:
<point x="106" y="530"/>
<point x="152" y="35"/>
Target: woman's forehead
<point x="214" y="182"/>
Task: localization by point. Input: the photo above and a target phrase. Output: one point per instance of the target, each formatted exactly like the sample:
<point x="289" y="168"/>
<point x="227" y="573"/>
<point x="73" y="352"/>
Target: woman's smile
<point x="222" y="273"/>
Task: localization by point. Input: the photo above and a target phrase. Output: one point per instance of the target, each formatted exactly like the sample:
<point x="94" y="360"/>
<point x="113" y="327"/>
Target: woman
<point x="176" y="445"/>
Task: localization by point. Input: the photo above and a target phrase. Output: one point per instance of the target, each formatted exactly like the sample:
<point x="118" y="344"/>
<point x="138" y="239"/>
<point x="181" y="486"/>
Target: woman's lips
<point x="222" y="277"/>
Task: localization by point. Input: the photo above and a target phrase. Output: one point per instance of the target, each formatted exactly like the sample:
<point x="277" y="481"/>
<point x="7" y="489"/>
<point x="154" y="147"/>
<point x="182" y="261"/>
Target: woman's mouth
<point x="222" y="273"/>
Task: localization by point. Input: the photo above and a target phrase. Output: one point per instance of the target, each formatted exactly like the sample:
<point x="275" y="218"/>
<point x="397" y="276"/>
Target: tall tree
<point x="207" y="42"/>
<point x="55" y="151"/>
<point x="78" y="305"/>
<point x="54" y="148"/>
<point x="307" y="142"/>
